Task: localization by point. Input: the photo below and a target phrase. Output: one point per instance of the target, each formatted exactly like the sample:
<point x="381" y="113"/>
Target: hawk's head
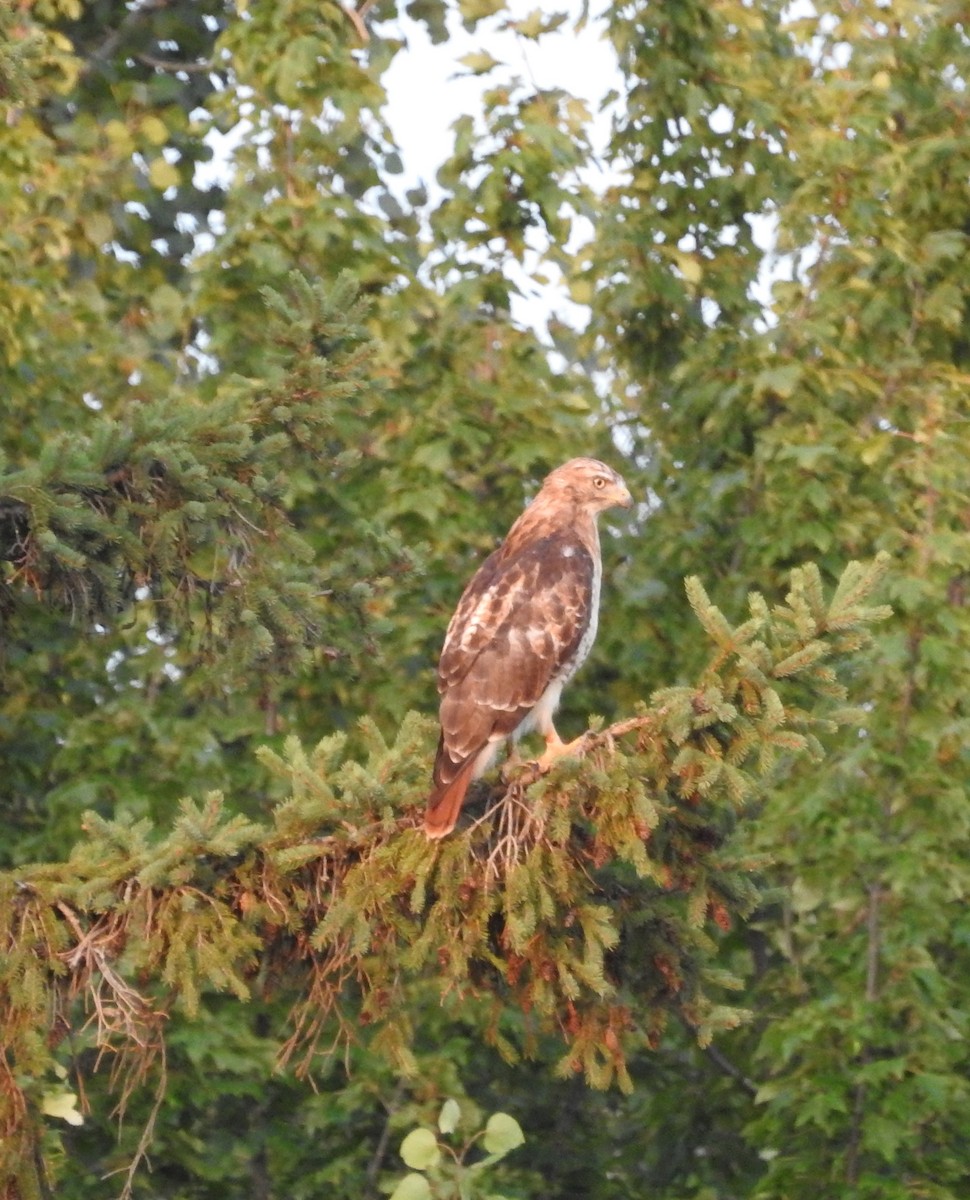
<point x="589" y="483"/>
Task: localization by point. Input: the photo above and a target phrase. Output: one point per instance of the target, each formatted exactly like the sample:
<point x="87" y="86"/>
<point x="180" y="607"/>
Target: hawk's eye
<point x="599" y="482"/>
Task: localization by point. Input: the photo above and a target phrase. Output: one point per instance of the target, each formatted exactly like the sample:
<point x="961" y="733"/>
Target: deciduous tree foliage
<point x="237" y="506"/>
<point x="837" y="424"/>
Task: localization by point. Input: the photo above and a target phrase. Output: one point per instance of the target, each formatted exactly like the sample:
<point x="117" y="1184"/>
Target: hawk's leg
<point x="556" y="749"/>
<point x="513" y="762"/>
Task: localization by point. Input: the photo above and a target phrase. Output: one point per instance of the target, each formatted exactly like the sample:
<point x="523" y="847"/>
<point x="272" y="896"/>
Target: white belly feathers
<point x="540" y="717"/>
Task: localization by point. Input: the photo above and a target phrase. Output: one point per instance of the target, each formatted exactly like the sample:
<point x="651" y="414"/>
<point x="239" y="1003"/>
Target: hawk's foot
<point x="556" y="749"/>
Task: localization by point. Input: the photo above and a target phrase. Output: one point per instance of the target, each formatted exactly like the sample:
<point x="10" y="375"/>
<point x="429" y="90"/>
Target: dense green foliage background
<point x="236" y="503"/>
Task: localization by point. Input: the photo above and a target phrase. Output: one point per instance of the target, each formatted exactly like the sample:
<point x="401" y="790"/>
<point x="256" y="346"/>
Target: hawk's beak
<point x="623" y="497"/>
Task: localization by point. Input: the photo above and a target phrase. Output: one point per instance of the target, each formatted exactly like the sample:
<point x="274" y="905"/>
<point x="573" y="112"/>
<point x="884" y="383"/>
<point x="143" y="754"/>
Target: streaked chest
<point x="585" y="643"/>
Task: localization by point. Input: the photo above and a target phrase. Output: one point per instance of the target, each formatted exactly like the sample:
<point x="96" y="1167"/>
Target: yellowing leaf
<point x="537" y="22"/>
<point x="874" y="448"/>
<point x="479" y="62"/>
<point x="689" y="267"/>
<point x="98" y="228"/>
<point x="449" y="1117"/>
<point x="62" y="1105"/>
<point x="805" y="898"/>
<point x="155" y="130"/>
<point x="298" y="67"/>
<point x="581" y="291"/>
<point x="163" y="174"/>
<point x="119" y="135"/>
<point x="578" y="112"/>
<point x="472" y="11"/>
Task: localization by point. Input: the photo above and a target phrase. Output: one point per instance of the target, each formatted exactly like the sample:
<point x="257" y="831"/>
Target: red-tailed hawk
<point x="522" y="629"/>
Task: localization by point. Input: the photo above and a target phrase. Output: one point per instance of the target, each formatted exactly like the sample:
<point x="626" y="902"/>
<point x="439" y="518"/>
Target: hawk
<point x="523" y="627"/>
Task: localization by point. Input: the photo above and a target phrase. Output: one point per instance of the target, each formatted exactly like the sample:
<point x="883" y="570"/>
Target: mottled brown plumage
<point x="522" y="629"/>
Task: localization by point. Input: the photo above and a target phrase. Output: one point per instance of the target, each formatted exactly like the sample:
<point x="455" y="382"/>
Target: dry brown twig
<point x="517" y="829"/>
<point x="129" y="1027"/>
<point x="520" y="825"/>
<point x="356" y="17"/>
<point x="126" y="1025"/>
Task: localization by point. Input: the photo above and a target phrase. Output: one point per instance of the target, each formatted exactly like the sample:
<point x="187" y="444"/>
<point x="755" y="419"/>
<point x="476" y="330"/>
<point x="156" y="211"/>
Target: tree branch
<point x="721" y="1060"/>
<point x="338" y="896"/>
<point x="134" y="17"/>
<point x="174" y="68"/>
<point x="724" y="1064"/>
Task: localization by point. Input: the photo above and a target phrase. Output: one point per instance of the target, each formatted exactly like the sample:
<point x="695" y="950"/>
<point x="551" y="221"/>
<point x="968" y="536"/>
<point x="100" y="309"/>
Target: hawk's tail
<point x="444" y="803"/>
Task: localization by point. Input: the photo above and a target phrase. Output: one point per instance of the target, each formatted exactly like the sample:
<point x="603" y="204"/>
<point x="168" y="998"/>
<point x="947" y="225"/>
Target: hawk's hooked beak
<point x="622" y="496"/>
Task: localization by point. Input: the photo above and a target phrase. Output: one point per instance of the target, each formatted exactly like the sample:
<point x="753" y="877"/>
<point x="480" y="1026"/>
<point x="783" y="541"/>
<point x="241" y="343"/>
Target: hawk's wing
<point x="518" y="625"/>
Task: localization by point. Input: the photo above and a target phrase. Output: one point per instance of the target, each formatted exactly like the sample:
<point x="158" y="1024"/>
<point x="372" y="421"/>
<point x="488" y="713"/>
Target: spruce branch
<point x="181" y="509"/>
<point x="572" y="894"/>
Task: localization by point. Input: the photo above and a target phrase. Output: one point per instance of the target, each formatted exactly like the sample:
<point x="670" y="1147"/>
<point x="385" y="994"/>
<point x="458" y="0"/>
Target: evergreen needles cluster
<point x="186" y="503"/>
<point x="570" y="897"/>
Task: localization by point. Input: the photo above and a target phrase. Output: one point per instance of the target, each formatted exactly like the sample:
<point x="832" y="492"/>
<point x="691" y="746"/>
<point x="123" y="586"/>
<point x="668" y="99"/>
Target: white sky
<point x="429" y="89"/>
<point x="425" y="97"/>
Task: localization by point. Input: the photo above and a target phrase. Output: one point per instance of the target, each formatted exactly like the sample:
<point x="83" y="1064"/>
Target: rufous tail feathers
<point x="444" y="803"/>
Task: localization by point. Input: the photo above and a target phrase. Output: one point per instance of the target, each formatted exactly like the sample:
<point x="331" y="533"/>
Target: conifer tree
<point x="237" y="504"/>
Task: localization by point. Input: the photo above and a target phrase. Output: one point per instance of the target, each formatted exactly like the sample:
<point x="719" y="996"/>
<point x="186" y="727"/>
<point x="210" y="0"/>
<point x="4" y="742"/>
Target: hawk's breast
<point x="572" y="664"/>
<point x="522" y="629"/>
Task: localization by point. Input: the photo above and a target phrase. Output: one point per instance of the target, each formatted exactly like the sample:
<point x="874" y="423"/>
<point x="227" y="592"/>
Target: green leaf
<point x="167" y="306"/>
<point x="412" y="1187"/>
<point x="502" y="1134"/>
<point x="297" y="67"/>
<point x="778" y="381"/>
<point x="420" y="1149"/>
